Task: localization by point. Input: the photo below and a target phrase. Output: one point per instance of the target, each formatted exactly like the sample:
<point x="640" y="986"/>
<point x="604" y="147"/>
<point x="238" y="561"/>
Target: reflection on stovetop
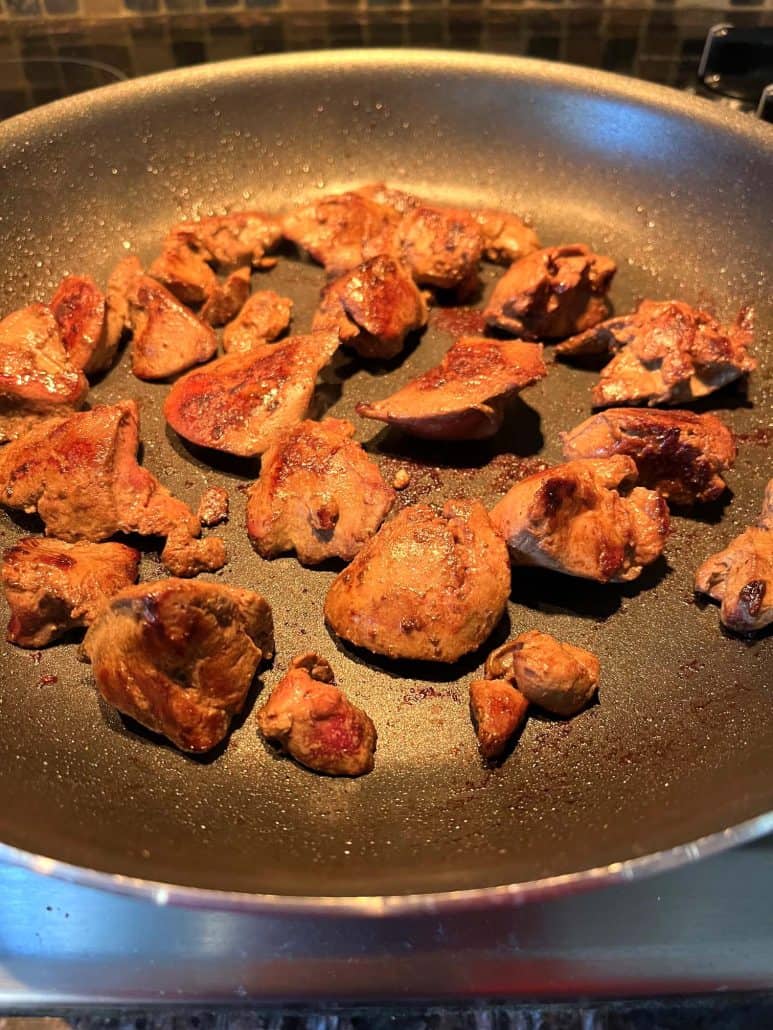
<point x="45" y="58"/>
<point x="701" y="928"/>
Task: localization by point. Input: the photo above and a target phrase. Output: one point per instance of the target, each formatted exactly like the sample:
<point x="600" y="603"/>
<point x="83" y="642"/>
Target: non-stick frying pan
<point x="680" y="747"/>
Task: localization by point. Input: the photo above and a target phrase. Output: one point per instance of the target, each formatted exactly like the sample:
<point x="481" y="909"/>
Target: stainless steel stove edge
<point x="701" y="928"/>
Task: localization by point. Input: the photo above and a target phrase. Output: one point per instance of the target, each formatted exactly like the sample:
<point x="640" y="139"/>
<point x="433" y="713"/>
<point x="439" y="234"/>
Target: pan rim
<point x="422" y="60"/>
<point x="399" y="905"/>
<point x="56" y="116"/>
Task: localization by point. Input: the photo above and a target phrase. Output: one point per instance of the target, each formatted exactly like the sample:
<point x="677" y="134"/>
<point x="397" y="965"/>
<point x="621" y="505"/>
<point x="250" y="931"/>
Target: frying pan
<point x="677" y="757"/>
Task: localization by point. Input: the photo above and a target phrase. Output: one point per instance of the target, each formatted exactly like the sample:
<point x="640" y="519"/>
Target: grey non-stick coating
<point x="681" y="743"/>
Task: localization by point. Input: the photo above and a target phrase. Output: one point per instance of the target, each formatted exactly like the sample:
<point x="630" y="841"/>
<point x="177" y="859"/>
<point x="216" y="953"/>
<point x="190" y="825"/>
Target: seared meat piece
<point x="119" y="286"/>
<point x="37" y="378"/>
<point x="168" y="338"/>
<point x="184" y="554"/>
<point x="79" y="309"/>
<point x="264" y="317"/>
<point x="464" y="397"/>
<point x="372" y="308"/>
<point x="674" y="354"/>
<point x="678" y="453"/>
<point x="498" y="711"/>
<point x="185" y="273"/>
<point x="335" y="229"/>
<point x="228" y="241"/>
<point x="506" y="237"/>
<point x="740" y="578"/>
<point x="228" y="299"/>
<point x="315" y="723"/>
<point x="52" y="586"/>
<point x="552" y="293"/>
<point x="428" y="585"/>
<point x="242" y="402"/>
<point x="560" y="678"/>
<point x="213" y="506"/>
<point x="440" y="246"/>
<point x="319" y="494"/>
<point x="179" y="657"/>
<point x="81" y="476"/>
<point x="398" y="201"/>
<point x="583" y="518"/>
<point x="607" y="337"/>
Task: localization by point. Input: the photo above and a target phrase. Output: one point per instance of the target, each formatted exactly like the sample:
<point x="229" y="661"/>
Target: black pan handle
<point x="765" y="106"/>
<point x="738" y="62"/>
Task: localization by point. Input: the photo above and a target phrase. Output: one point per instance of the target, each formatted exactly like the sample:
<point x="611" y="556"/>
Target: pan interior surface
<point x="681" y="743"/>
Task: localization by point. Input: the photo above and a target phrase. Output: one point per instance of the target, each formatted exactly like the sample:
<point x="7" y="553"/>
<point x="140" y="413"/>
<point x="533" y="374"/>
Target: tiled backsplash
<point x="129" y="8"/>
<point x="650" y="42"/>
<point x="49" y="48"/>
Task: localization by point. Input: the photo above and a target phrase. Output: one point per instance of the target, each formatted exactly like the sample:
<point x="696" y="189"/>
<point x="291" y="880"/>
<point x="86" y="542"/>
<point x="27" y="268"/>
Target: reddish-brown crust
<point x="334" y="230"/>
<point x="552" y="293"/>
<point x="82" y="477"/>
<point x="498" y="711"/>
<point x="319" y="494"/>
<point x="240" y="402"/>
<point x="227" y="300"/>
<point x="740" y="578"/>
<point x="262" y="319"/>
<point x="315" y="723"/>
<point x="52" y="586"/>
<point x="672" y="353"/>
<point x="185" y="274"/>
<point x="679" y="453"/>
<point x="441" y="246"/>
<point x="505" y="237"/>
<point x="477" y="360"/>
<point x="168" y="338"/>
<point x="462" y="397"/>
<point x="583" y="518"/>
<point x="429" y="585"/>
<point x="119" y="286"/>
<point x="228" y="241"/>
<point x="373" y="308"/>
<point x="79" y="309"/>
<point x="606" y="337"/>
<point x="37" y="377"/>
<point x="558" y="677"/>
<point x="179" y="656"/>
